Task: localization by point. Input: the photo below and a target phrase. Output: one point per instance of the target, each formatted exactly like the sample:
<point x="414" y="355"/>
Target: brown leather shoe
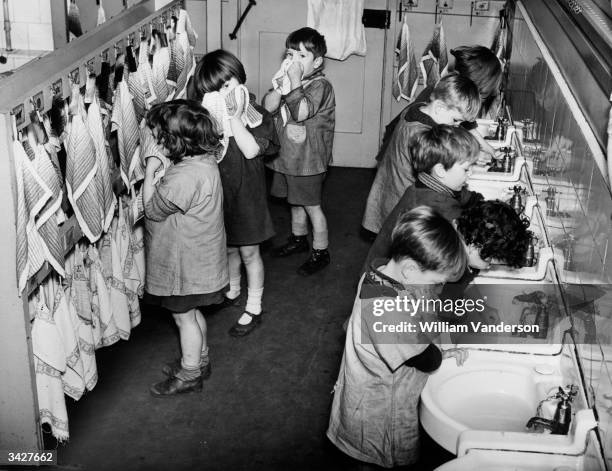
<point x="172" y="368"/>
<point x="173" y="386"/>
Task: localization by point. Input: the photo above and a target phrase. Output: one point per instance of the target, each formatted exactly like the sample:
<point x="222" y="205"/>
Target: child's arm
<point x="245" y="140"/>
<point x="272" y="100"/>
<point x="173" y="194"/>
<point x="303" y="104"/>
<point x="148" y="188"/>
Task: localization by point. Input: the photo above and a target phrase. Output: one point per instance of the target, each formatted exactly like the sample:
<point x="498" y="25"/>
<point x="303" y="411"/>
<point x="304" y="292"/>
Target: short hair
<point x="312" y="40"/>
<point x="496" y="230"/>
<point x="442" y="144"/>
<point x="183" y="127"/>
<point x="458" y="92"/>
<point x="213" y="70"/>
<point x="482" y="66"/>
<point x="425" y="236"/>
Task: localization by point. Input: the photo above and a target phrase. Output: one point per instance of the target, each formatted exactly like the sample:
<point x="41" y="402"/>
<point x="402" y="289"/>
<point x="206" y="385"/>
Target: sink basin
<point x="487" y="402"/>
<point x="496" y="460"/>
<point x="492" y="391"/>
<point x="482" y="173"/>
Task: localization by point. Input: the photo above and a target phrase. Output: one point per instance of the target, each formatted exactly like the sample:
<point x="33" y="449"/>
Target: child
<point x="247" y="219"/>
<point x="184" y="235"/>
<point x="442" y="156"/>
<point x="374" y="416"/>
<point x="454" y="99"/>
<point x="306" y="144"/>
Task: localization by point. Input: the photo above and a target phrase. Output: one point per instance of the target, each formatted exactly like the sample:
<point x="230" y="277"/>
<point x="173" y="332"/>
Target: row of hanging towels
<point x="67" y="161"/>
<point x="434" y="60"/>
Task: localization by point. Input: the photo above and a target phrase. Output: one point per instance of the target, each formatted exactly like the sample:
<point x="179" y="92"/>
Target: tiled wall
<point x="582" y="218"/>
<point x="31" y="27"/>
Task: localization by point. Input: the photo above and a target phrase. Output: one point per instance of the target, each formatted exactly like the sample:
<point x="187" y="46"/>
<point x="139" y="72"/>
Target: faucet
<point x="539" y="310"/>
<point x="517" y="198"/>
<point x="560" y="423"/>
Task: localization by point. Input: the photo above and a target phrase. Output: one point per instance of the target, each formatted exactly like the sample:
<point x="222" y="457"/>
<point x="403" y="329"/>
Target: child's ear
<point x="318" y="62"/>
<point x="438" y="171"/>
<point x="408" y="267"/>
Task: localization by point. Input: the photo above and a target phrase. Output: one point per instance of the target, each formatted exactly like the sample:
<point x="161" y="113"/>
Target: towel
<point x="73" y="378"/>
<point x="135" y="84"/>
<point x="101" y="299"/>
<point x="214" y="102"/>
<point x="340" y="21"/>
<point x="238" y="103"/>
<point x="47" y="223"/>
<point x="103" y="176"/>
<point x="434" y="62"/>
<point x="146" y="75"/>
<point x="32" y="196"/>
<point x="187" y="70"/>
<point x="184" y="27"/>
<point x="161" y="64"/>
<point x="126" y="124"/>
<point x="81" y="168"/>
<point x="113" y="274"/>
<point x="173" y="71"/>
<point x="407" y="80"/>
<point x="498" y="45"/>
<point x="101" y="14"/>
<point x="281" y="83"/>
<point x="50" y="363"/>
<point x="74" y="21"/>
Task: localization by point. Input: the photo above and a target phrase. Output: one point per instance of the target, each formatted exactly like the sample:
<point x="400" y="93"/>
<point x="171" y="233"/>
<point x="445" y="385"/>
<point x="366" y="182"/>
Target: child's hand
<point x="295" y="71"/>
<point x="460" y="355"/>
<point x="153" y="163"/>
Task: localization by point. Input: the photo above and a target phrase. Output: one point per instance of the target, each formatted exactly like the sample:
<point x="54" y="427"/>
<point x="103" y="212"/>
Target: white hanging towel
<point x="340" y="21"/>
<point x="215" y="105"/>
<point x="407" y="79"/>
<point x="101" y="14"/>
<point x="281" y="83"/>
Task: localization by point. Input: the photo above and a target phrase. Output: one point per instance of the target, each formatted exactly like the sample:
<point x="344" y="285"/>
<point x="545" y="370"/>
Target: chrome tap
<point x="568" y="253"/>
<point x="517" y="198"/>
<point x="530" y="257"/>
<point x="560" y="423"/>
<point x="539" y="309"/>
<point x="551" y="201"/>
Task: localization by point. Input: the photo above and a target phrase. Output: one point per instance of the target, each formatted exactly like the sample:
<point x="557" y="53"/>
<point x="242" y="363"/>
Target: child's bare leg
<point x="234" y="262"/>
<point x="319" y="257"/>
<point x="191" y="338"/>
<point x="319" y="227"/>
<point x="204" y="350"/>
<point x="251" y="317"/>
<point x="299" y="221"/>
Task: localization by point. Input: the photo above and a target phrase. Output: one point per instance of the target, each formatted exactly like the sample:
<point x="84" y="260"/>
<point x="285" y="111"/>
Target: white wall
<point x="31" y="27"/>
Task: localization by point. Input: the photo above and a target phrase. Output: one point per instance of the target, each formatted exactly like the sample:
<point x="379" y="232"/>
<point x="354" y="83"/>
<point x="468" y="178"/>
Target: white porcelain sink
<point x="492" y="395"/>
<point x="496" y="460"/>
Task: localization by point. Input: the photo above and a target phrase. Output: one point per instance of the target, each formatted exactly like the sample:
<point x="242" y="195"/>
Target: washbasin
<point x="497" y="460"/>
<point x="492" y="397"/>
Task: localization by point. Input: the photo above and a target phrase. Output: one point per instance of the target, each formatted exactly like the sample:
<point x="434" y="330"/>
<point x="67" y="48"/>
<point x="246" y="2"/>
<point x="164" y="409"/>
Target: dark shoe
<point x="172" y="368"/>
<point x="239" y="330"/>
<point x="173" y="386"/>
<point x="227" y="302"/>
<point x="295" y="244"/>
<point x="318" y="260"/>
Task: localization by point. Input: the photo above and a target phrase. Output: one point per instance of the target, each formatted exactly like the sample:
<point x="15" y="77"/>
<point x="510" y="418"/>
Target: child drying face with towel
<point x="303" y="105"/>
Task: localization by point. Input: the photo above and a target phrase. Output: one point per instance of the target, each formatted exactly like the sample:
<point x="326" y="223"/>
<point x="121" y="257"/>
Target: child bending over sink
<point x="374" y="417"/>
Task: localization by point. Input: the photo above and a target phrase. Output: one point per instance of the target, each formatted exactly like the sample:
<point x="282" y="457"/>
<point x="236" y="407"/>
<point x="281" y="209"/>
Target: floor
<point x="266" y="406"/>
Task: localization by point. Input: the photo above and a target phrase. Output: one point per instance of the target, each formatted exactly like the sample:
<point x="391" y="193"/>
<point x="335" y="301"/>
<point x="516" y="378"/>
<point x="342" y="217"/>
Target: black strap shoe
<point x="173" y="386"/>
<point x="240" y="330"/>
<point x="318" y="260"/>
<point x="295" y="244"/>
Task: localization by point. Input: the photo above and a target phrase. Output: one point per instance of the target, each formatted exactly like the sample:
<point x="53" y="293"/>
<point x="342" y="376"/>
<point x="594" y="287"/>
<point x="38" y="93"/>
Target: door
<point x="357" y="80"/>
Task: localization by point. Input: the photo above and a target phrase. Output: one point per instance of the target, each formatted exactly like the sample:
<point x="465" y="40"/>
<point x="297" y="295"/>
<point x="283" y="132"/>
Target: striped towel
<point x="101" y="299"/>
<point x="215" y="104"/>
<point x="30" y="247"/>
<point x="146" y="75"/>
<point x="238" y="102"/>
<point x="434" y="62"/>
<point x="407" y="80"/>
<point x="103" y="176"/>
<point x="81" y="168"/>
<point x="500" y="38"/>
<point x="135" y="85"/>
<point x="126" y="124"/>
<point x="186" y="72"/>
<point x="161" y="63"/>
<point x="47" y="222"/>
<point x="173" y="71"/>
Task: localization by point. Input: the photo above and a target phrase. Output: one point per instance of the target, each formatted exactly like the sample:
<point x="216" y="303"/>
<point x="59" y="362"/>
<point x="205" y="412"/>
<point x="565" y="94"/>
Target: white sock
<point x="253" y="305"/>
<point x="234" y="290"/>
